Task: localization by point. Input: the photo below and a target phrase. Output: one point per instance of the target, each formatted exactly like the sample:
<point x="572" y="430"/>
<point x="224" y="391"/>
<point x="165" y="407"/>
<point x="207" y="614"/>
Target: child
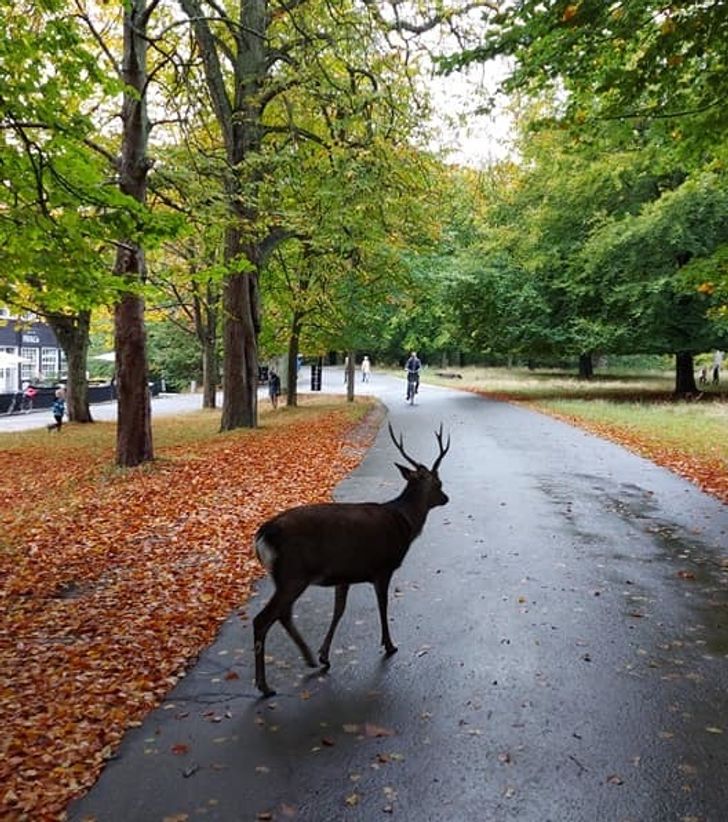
<point x="59" y="409"/>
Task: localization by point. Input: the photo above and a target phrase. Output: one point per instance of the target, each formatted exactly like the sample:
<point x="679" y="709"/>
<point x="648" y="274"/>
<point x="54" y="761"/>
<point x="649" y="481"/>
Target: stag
<point x="340" y="544"/>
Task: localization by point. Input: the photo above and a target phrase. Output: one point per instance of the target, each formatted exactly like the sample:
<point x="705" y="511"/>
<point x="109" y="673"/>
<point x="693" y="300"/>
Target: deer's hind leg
<point x="339" y="606"/>
<point x="277" y="608"/>
<point x="286" y="620"/>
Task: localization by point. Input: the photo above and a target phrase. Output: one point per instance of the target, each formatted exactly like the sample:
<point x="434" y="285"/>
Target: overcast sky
<point x="473" y="139"/>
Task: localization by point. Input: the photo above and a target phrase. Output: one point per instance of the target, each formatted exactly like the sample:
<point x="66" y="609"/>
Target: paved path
<point x="563" y="654"/>
<point x="172" y="404"/>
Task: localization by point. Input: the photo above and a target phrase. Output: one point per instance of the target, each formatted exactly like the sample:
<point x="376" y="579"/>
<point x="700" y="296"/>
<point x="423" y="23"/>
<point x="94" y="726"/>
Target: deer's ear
<point x="406" y="472"/>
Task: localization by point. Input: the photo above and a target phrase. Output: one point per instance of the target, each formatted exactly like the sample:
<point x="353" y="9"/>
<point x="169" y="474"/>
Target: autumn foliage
<point x="112" y="582"/>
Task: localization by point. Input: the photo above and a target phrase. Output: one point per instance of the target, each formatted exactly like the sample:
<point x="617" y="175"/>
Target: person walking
<point x="366" y="369"/>
<point x="274" y="388"/>
<point x="58" y="409"/>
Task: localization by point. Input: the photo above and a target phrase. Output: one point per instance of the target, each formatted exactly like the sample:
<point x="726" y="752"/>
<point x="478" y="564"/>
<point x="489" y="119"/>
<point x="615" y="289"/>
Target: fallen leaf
<point x="179" y="749"/>
<point x="123" y="578"/>
<point x="376" y="730"/>
<point x="686" y="574"/>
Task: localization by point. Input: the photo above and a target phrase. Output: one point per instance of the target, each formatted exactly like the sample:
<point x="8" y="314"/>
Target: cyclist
<point x="412" y="367"/>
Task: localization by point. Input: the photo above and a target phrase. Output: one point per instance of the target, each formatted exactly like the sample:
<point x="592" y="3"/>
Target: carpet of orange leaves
<point x="117" y="580"/>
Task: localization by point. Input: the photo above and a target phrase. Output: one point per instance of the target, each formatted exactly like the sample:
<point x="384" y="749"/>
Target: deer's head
<point x="420" y="475"/>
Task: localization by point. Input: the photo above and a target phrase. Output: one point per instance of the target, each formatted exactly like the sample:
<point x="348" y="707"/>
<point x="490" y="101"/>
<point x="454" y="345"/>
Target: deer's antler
<point x="443" y="451"/>
<point x="400" y="447"/>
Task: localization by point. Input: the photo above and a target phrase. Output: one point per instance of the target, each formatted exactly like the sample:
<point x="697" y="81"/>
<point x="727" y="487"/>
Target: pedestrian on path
<point x="59" y="409"/>
<point x="274" y="388"/>
<point x="366" y="369"/>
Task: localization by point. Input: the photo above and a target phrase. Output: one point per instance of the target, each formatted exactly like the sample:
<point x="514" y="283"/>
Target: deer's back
<point x="334" y="543"/>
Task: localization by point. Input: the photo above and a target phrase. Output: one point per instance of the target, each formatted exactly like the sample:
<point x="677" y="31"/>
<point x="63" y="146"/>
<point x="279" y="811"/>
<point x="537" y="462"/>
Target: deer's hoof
<point x="390" y="650"/>
<point x="265" y="690"/>
<point x="324" y="662"/>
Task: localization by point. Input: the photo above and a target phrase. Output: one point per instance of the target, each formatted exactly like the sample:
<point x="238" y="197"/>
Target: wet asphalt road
<point x="563" y="654"/>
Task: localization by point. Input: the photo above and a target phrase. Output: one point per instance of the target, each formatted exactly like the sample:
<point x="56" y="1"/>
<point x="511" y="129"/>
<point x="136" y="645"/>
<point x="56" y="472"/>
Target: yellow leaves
<point x="570" y="12"/>
<point x="112" y="582"/>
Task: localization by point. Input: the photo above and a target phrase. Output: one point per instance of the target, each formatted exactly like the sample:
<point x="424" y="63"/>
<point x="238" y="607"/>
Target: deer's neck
<point x="411" y="505"/>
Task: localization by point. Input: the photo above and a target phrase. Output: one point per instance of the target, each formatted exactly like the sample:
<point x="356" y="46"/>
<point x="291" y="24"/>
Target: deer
<point x="339" y="544"/>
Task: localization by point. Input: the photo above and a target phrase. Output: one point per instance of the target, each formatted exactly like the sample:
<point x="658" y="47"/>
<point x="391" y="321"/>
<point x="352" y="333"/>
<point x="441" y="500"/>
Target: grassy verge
<point x="637" y="410"/>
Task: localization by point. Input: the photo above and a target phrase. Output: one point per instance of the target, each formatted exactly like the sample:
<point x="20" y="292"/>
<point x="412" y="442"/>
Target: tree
<point x="134" y="427"/>
<point x="263" y="68"/>
<point x="56" y="209"/>
<point x="640" y="260"/>
<point x="657" y="68"/>
<point x="645" y="60"/>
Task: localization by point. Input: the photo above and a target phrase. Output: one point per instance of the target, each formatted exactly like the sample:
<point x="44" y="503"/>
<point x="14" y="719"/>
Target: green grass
<point x="639" y="402"/>
<point x="526" y="384"/>
<point x="699" y="429"/>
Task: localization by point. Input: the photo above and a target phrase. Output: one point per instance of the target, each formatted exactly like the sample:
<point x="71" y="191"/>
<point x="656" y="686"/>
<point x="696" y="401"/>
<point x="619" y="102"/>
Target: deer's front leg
<point x="381" y="586"/>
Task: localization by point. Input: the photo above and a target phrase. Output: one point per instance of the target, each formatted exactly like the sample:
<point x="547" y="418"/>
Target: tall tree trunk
<point x="293" y="341"/>
<point x="586" y="366"/>
<point x="134" y="425"/>
<point x="134" y="428"/>
<point x="205" y="313"/>
<point x="350" y="375"/>
<point x="684" y="374"/>
<point x="72" y="331"/>
<point x="237" y="107"/>
<point x="240" y="340"/>
<point x="209" y="371"/>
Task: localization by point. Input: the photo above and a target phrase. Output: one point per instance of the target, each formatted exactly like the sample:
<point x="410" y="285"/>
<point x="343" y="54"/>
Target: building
<point x="41" y="358"/>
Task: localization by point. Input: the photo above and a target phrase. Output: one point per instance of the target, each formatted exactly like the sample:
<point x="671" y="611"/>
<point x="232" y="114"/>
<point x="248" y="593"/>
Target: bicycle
<point x="413" y="382"/>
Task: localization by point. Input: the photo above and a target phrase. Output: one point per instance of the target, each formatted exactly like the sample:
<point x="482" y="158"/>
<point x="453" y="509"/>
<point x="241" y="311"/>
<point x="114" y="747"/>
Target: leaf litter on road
<point x="112" y="582"/>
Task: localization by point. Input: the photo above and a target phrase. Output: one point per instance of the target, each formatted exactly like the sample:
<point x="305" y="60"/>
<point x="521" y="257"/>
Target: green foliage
<point x="639" y="261"/>
<point x="662" y="66"/>
<point x="174" y="354"/>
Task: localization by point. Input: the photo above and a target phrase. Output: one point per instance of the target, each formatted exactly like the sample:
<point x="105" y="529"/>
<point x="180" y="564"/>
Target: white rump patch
<point x="266" y="553"/>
